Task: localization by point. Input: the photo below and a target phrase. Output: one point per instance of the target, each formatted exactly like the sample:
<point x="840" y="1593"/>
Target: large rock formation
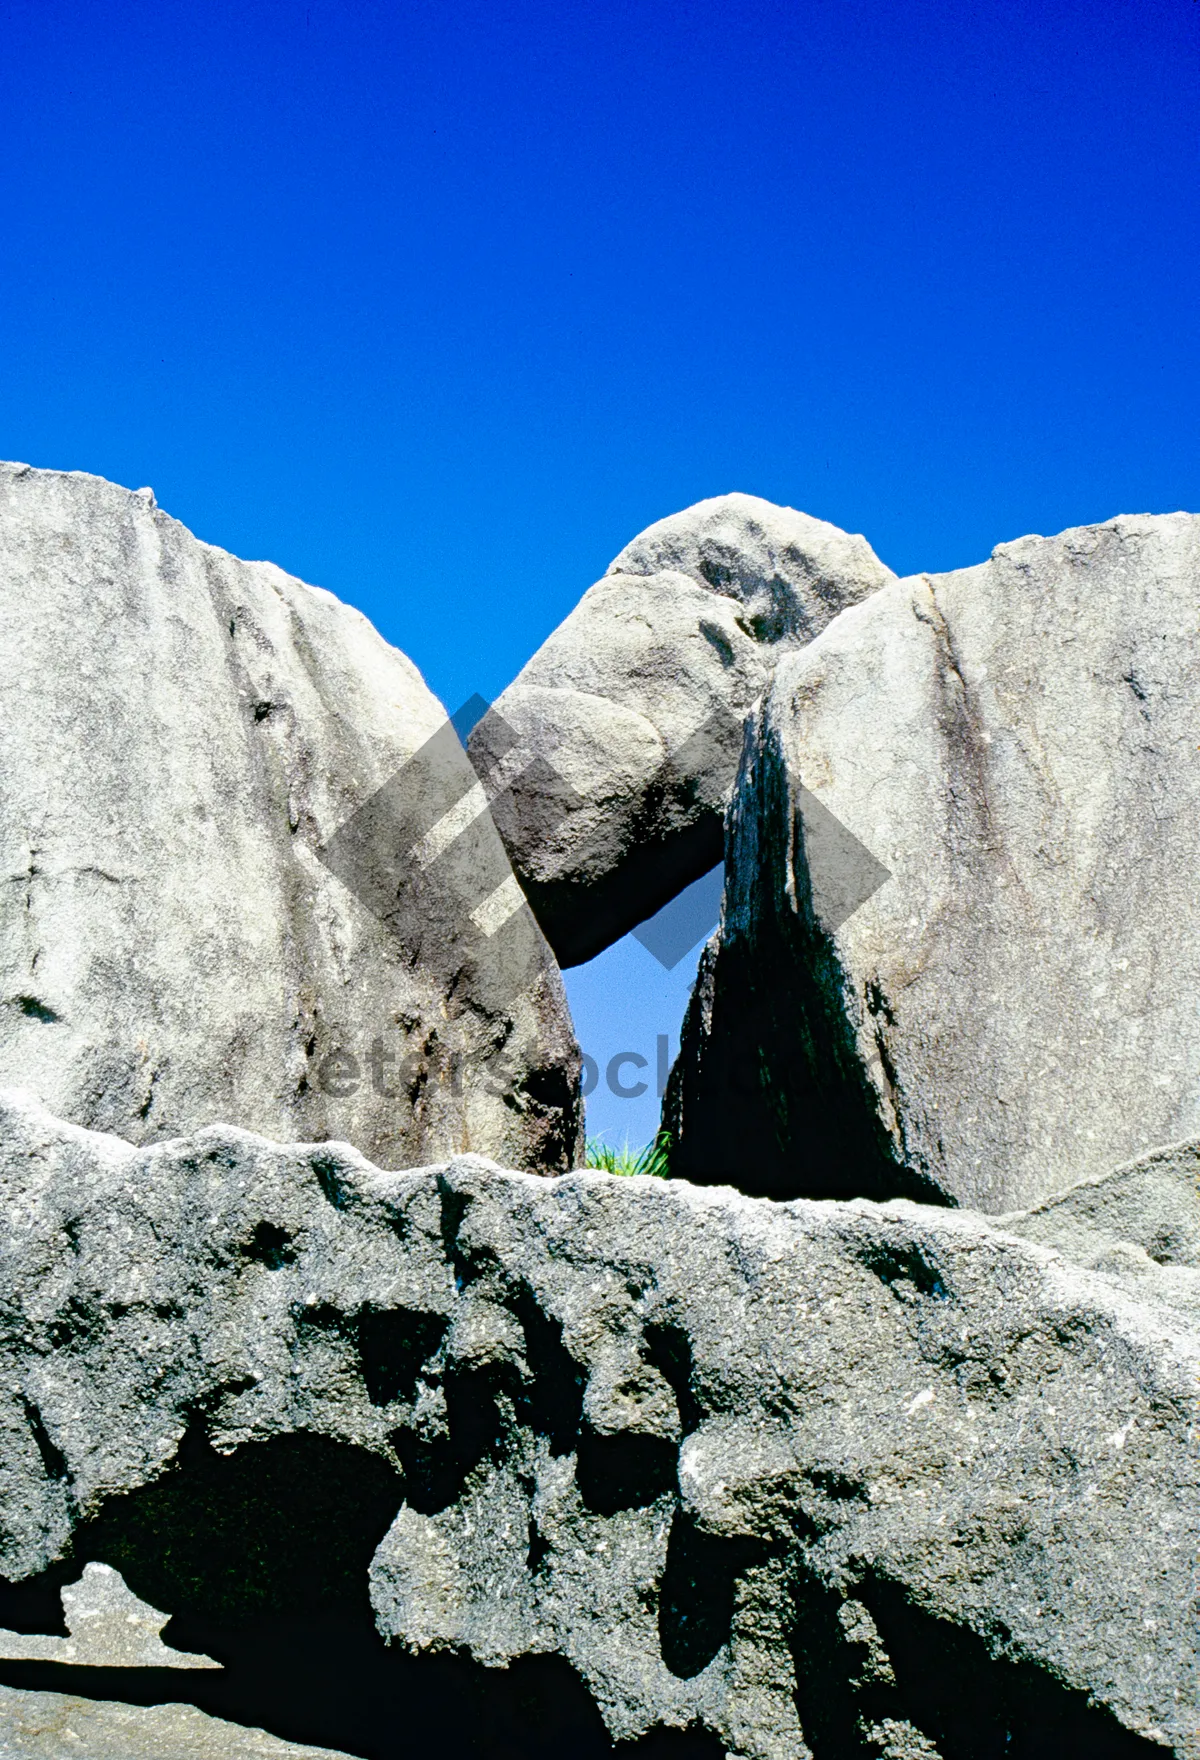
<point x="192" y="748"/>
<point x="822" y="1479"/>
<point x="1013" y="1009"/>
<point x="632" y="710"/>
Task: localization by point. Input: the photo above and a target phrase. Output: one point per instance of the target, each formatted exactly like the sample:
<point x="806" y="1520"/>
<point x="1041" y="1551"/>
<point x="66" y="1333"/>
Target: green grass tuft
<point x="652" y="1160"/>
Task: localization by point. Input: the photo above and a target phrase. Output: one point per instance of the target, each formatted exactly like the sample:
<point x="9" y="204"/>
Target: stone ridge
<point x="47" y="1726"/>
<point x="791" y="572"/>
<point x="814" y="1476"/>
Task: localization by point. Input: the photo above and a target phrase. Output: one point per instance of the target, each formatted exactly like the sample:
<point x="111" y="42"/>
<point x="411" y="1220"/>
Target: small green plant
<point x="652" y="1160"/>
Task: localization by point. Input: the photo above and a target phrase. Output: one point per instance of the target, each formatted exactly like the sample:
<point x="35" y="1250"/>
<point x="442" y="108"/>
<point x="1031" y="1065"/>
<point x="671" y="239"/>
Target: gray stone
<point x="1140" y="1223"/>
<point x="55" y="1726"/>
<point x="220" y="876"/>
<point x="108" y="1626"/>
<point x="1013" y="1009"/>
<point x="632" y="709"/>
<point x="816" y="1477"/>
<point x="791" y="573"/>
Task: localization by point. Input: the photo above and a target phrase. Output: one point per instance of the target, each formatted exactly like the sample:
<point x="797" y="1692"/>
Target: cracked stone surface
<point x="821" y="1478"/>
<point x="633" y="708"/>
<point x="1013" y="1010"/>
<point x="182" y="737"/>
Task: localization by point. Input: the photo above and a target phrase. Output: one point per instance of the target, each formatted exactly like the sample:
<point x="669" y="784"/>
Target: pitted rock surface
<point x="107" y="1627"/>
<point x="818" y="1477"/>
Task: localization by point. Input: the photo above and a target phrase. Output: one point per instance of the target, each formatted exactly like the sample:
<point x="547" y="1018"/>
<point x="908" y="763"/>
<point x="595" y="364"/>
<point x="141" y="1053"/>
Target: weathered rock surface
<point x="108" y="1626"/>
<point x="1139" y="1223"/>
<point x="192" y="748"/>
<point x="819" y="1478"/>
<point x="632" y="709"/>
<point x="53" y="1726"/>
<point x="1013" y="1010"/>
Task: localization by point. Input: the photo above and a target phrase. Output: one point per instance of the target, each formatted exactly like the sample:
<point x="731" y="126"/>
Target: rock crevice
<point x="998" y="1018"/>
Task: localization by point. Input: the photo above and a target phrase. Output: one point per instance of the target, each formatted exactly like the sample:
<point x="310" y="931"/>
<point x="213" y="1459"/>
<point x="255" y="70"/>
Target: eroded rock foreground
<point x="298" y="1454"/>
<point x="825" y="1478"/>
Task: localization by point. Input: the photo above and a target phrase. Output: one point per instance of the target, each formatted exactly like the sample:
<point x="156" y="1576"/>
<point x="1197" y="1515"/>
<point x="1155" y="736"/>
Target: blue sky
<point x="438" y="305"/>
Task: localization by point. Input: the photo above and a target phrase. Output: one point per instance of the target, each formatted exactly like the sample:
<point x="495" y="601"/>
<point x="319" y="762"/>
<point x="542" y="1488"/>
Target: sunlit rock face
<point x="814" y="1478"/>
<point x="627" y="722"/>
<point x="227" y="889"/>
<point x="959" y="953"/>
<point x="48" y="1726"/>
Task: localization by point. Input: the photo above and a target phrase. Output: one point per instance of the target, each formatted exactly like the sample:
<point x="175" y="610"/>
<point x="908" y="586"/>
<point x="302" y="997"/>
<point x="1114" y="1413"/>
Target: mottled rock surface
<point x="222" y="889"/>
<point x="820" y="1478"/>
<point x="55" y="1726"/>
<point x="1013" y="1009"/>
<point x="632" y="709"/>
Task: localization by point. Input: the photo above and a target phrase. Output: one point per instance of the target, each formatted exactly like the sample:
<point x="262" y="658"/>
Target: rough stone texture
<point x="1138" y="1223"/>
<point x="182" y="737"/>
<point x="821" y="1478"/>
<point x="53" y="1726"/>
<point x="108" y="1626"/>
<point x="633" y="708"/>
<point x="1014" y="1009"/>
<point x="790" y="572"/>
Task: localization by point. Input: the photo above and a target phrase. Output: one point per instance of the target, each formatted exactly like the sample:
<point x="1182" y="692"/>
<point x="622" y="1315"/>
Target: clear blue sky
<point x="437" y="305"/>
